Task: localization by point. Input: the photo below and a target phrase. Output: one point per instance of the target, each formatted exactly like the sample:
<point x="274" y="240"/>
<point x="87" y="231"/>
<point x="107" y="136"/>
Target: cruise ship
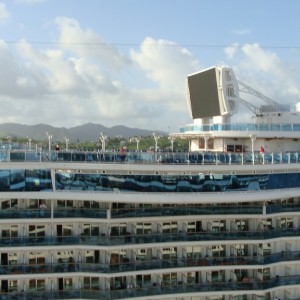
<point x="218" y="222"/>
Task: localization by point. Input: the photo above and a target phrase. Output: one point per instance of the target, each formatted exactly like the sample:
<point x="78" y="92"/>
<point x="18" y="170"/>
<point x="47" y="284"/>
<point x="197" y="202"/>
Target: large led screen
<point x="204" y="94"/>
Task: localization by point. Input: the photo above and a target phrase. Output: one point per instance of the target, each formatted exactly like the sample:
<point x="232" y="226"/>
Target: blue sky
<point x="69" y="62"/>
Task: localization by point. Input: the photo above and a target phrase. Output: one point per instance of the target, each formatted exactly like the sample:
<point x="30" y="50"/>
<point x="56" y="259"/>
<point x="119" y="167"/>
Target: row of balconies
<point x="245" y="287"/>
<point x="128" y="239"/>
<point x="155" y="264"/>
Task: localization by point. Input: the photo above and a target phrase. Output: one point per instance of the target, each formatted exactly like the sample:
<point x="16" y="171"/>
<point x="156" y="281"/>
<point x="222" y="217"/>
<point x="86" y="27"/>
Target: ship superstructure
<point x="214" y="223"/>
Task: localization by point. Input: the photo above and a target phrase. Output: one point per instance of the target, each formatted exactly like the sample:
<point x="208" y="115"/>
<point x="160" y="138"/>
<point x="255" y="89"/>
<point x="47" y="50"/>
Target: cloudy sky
<point x="112" y="62"/>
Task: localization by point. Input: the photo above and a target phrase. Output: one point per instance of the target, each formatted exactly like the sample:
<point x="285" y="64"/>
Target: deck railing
<point x="139" y="157"/>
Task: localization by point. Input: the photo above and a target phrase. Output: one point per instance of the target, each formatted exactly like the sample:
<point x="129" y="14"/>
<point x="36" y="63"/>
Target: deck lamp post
<point x="29" y="143"/>
<point x="9" y="142"/>
<point x="67" y="143"/>
<point x="137" y="139"/>
<point x="253" y="138"/>
<point x="49" y="136"/>
<point x="172" y="139"/>
<point x="103" y="141"/>
<point x="156" y="137"/>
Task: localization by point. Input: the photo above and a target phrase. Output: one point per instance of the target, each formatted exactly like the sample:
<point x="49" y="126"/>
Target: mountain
<point x="83" y="133"/>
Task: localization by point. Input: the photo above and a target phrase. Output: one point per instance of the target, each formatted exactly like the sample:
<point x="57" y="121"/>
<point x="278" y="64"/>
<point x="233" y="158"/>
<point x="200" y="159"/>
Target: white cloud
<point x="280" y="78"/>
<point x="4" y="14"/>
<point x="167" y="64"/>
<point x="87" y="44"/>
<point x="57" y="72"/>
